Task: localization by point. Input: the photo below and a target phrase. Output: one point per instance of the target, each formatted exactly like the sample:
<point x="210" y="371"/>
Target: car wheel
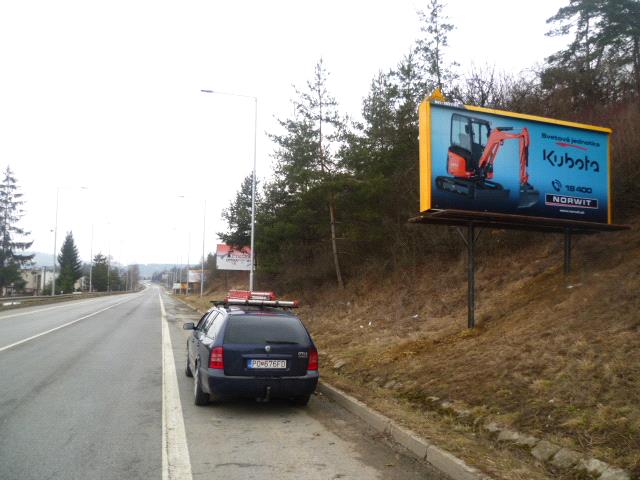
<point x="302" y="400"/>
<point x="199" y="396"/>
<point x="187" y="368"/>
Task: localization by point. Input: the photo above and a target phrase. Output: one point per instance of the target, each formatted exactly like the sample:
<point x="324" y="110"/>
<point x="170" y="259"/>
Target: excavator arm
<point x="528" y="195"/>
<point x="494" y="143"/>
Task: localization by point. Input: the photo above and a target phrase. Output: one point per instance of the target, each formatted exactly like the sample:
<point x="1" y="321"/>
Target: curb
<point x="438" y="458"/>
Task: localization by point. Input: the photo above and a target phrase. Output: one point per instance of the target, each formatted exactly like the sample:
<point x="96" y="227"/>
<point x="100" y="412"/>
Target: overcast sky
<point x="106" y="95"/>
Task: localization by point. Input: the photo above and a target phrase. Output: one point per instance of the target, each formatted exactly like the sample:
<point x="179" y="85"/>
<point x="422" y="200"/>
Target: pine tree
<point x="10" y="214"/>
<point x="238" y="216"/>
<point x="431" y="48"/>
<point x="318" y="110"/>
<point x="70" y="265"/>
<point x="602" y="62"/>
<point x="100" y="275"/>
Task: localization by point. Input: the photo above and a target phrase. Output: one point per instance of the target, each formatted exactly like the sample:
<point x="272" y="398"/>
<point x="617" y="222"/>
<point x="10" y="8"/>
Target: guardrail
<point x="7" y="303"/>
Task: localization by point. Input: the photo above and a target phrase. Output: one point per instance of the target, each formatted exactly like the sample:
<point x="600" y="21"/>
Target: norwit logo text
<point x="566" y="160"/>
<point x="565" y="201"/>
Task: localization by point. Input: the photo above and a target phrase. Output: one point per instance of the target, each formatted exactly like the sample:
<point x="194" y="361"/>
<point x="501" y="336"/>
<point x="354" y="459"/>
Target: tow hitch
<point x="267" y="396"/>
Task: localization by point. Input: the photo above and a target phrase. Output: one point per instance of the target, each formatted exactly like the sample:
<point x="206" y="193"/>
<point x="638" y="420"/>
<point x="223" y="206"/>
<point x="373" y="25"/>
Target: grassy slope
<point x="557" y="358"/>
<point x="553" y="357"/>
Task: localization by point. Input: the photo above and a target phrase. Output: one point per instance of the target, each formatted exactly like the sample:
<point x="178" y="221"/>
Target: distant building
<point x="36" y="280"/>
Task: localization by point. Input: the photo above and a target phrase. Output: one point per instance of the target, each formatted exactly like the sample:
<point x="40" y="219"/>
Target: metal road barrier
<point x="7" y="303"/>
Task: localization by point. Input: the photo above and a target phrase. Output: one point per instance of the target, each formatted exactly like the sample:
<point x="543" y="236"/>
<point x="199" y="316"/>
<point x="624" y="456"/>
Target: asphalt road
<point x="95" y="389"/>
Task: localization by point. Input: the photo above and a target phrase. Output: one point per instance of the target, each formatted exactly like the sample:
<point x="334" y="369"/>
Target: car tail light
<point x="216" y="360"/>
<point x="313" y="359"/>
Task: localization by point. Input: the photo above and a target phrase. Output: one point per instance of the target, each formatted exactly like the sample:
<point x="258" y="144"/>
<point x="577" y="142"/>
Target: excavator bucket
<point x="528" y="196"/>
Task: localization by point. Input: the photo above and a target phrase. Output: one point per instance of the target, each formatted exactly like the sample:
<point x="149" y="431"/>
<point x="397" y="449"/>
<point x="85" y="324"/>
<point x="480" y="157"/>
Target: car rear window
<point x="265" y="329"/>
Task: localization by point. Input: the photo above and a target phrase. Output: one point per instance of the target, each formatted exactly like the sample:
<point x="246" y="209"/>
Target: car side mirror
<point x="188" y="326"/>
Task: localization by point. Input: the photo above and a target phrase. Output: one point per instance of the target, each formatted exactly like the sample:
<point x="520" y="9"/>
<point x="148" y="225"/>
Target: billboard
<point x="194" y="276"/>
<point x="479" y="159"/>
<point x="230" y="258"/>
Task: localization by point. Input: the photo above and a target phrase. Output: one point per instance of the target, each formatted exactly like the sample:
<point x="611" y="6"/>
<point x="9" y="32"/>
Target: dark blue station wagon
<point x="251" y="348"/>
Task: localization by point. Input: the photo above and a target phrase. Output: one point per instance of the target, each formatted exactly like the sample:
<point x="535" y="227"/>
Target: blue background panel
<point x="566" y="162"/>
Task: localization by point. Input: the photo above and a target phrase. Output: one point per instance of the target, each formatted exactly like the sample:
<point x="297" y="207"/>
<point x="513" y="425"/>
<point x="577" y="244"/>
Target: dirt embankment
<point x="554" y="357"/>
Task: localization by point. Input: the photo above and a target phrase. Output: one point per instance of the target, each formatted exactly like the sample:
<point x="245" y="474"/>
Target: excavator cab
<point x="468" y="140"/>
<point x="473" y="148"/>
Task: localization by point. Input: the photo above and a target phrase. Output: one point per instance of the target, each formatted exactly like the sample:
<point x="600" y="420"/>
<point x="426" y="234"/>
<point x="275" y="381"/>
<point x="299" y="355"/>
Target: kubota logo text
<point x="565" y="160"/>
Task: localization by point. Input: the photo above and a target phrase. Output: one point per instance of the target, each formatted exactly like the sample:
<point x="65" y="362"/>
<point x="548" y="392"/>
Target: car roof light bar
<point x="249" y="295"/>
<point x="257" y="303"/>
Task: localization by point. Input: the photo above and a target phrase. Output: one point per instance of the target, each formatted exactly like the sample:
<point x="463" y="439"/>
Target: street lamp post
<point x="91" y="262"/>
<point x="188" y="265"/>
<point x="204" y="229"/>
<point x="253" y="176"/>
<point x="55" y="248"/>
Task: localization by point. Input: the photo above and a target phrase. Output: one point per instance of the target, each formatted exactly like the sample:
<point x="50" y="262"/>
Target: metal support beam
<point x="471" y="274"/>
<point x="567" y="251"/>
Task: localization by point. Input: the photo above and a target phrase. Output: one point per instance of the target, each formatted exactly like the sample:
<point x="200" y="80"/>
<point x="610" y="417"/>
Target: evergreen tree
<point x="601" y="65"/>
<point x="11" y="261"/>
<point x="116" y="280"/>
<point x="431" y="48"/>
<point x="621" y="32"/>
<point x="100" y="273"/>
<point x="318" y="112"/>
<point x="238" y="216"/>
<point x="380" y="154"/>
<point x="70" y="265"/>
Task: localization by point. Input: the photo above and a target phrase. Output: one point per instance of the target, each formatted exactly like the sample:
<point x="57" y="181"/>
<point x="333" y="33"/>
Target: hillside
<point x="552" y="357"/>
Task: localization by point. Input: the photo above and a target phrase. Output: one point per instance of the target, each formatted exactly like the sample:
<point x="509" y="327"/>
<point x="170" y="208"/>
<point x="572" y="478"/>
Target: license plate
<point x="255" y="363"/>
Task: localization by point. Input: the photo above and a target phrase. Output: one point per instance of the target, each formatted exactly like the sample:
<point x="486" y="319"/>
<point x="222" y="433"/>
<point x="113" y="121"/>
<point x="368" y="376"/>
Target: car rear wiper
<point x="281" y="342"/>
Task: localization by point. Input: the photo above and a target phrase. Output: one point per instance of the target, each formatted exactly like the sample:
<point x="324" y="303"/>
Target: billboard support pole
<point x="471" y="274"/>
<point x="567" y="250"/>
<point x="470" y="241"/>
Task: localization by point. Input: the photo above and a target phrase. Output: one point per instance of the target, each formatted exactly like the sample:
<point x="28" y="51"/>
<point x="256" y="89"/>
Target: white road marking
<point x="176" y="464"/>
<point x="25" y="340"/>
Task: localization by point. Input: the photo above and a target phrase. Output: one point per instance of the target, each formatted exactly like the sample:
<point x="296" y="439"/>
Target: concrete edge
<point x="438" y="458"/>
<point x="378" y="422"/>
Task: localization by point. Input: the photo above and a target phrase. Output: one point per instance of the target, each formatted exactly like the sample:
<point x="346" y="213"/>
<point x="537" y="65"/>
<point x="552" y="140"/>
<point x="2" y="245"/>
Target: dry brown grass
<point x="553" y="357"/>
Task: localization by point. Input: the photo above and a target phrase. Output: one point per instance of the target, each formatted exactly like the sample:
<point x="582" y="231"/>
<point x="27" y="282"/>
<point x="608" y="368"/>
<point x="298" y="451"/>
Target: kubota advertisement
<point x="474" y="158"/>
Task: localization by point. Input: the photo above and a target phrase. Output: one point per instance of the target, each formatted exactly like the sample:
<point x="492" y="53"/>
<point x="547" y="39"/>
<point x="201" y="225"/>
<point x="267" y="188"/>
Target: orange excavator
<point x="472" y="152"/>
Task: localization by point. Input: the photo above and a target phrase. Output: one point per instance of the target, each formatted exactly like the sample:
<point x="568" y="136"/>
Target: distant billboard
<point x="229" y="258"/>
<point x="195" y="275"/>
<point x="478" y="159"/>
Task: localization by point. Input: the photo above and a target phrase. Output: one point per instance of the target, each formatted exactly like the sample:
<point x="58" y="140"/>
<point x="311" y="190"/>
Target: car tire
<point x="199" y="396"/>
<point x="301" y="400"/>
<point x="187" y="368"/>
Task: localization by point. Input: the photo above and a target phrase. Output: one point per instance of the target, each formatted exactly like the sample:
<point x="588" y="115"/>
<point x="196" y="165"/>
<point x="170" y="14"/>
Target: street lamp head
<point x="206" y="91"/>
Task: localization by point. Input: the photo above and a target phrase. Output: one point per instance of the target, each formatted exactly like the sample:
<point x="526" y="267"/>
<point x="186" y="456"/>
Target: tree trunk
<point x="636" y="63"/>
<point x="334" y="247"/>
